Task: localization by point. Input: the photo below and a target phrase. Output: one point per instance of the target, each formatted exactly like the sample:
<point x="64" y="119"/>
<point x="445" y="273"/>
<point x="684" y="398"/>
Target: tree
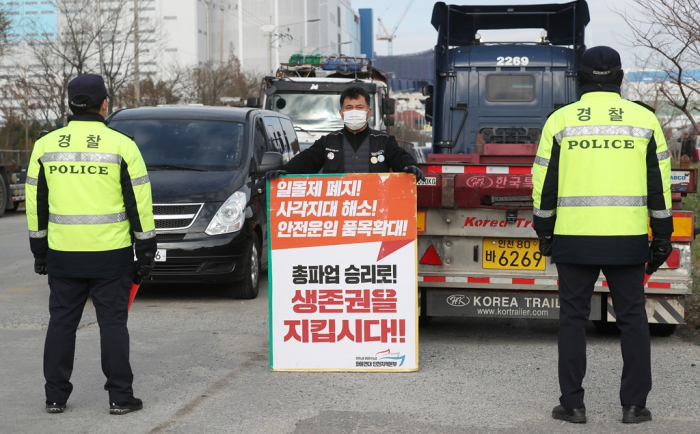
<point x="116" y="46"/>
<point x="19" y="104"/>
<point x="5" y="27"/>
<point x="208" y="83"/>
<point x="670" y="31"/>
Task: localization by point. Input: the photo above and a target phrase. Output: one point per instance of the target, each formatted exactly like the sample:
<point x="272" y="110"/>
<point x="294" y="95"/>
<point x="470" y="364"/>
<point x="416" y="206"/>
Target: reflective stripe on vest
<point x="77" y="157"/>
<point x="32" y="181"/>
<point x="87" y="219"/>
<point x="140" y="181"/>
<point x="604" y="130"/>
<point x="602" y="201"/>
<point x="542" y="161"/>
<point x="660" y="214"/>
<point x="38" y="234"/>
<point x="663" y="155"/>
<point x="544" y="213"/>
<point x="144" y="235"/>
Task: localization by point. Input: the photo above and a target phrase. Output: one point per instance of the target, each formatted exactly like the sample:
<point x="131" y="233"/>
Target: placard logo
<point x="383" y="359"/>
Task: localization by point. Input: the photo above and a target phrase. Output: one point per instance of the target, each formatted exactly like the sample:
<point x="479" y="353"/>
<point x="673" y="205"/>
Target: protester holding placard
<point x="354" y="149"/>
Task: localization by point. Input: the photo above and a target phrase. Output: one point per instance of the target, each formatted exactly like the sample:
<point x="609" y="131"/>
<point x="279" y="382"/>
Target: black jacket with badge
<point x="328" y="153"/>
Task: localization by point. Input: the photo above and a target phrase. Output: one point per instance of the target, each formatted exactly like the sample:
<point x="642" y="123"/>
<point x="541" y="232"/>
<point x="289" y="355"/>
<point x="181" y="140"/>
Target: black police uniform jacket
<point x="327" y="153"/>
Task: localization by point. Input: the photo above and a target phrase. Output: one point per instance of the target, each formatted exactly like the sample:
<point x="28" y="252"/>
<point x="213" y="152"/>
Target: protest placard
<point x="342" y="273"/>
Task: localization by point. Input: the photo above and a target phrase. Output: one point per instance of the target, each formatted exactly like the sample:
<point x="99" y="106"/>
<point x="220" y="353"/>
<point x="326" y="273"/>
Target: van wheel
<point x="248" y="287"/>
<point x="3" y="196"/>
<point x="662" y="329"/>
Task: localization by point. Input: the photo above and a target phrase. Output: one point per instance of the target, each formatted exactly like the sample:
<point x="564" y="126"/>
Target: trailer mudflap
<point x="660" y="310"/>
<point x="501" y="304"/>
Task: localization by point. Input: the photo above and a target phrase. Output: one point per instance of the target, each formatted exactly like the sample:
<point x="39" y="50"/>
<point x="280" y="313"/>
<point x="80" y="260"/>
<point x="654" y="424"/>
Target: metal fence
<point x="15" y="156"/>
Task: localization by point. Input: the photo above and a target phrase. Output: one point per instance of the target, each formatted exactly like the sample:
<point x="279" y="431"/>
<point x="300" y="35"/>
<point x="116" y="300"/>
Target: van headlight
<point x="230" y="217"/>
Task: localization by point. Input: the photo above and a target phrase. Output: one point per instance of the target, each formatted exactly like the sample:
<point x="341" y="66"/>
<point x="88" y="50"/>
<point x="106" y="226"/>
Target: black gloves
<point x="416" y="171"/>
<point x="144" y="266"/>
<point x="660" y="251"/>
<point x="40" y="266"/>
<point x="272" y="174"/>
<point x="546" y="245"/>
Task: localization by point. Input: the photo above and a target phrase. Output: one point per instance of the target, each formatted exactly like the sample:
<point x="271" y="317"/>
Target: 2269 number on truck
<point x="512" y="254"/>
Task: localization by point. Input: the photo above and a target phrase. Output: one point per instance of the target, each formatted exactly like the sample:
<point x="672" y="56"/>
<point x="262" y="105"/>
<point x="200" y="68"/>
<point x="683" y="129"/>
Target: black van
<point x="207" y="167"/>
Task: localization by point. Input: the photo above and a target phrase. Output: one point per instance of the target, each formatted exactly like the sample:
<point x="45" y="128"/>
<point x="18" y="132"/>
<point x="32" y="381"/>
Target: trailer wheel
<point x="3" y="196"/>
<point x="662" y="329"/>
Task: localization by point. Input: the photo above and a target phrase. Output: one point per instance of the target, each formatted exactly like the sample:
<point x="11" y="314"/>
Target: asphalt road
<point x="201" y="365"/>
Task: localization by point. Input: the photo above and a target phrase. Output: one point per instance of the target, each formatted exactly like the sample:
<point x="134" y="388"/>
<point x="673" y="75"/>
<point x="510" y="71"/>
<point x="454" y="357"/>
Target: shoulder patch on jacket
<point x="120" y="132"/>
<point x="648" y="107"/>
<point x="559" y="108"/>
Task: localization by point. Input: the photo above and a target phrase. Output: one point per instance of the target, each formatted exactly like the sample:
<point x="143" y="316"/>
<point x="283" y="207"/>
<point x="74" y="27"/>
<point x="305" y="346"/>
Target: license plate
<point x="512" y="254"/>
<point x="161" y="255"/>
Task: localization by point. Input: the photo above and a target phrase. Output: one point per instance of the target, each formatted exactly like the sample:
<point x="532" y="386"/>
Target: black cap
<point x="600" y="61"/>
<point x="87" y="90"/>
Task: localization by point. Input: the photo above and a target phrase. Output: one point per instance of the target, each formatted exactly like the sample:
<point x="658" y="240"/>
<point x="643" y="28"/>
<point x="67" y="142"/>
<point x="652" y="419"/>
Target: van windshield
<point x="175" y="144"/>
<point x="311" y="110"/>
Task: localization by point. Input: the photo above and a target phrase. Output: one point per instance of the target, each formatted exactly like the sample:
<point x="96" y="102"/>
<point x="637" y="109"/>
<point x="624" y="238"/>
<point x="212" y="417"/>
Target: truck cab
<point x="309" y="93"/>
<point x="478" y="253"/>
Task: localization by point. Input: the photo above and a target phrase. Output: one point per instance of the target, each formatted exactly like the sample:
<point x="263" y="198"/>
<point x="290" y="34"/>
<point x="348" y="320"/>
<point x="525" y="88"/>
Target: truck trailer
<point x="478" y="253"/>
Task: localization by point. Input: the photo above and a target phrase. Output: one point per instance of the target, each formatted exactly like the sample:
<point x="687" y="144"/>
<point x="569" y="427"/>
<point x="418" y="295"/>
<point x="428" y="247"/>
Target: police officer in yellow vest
<point x="88" y="200"/>
<point x="601" y="168"/>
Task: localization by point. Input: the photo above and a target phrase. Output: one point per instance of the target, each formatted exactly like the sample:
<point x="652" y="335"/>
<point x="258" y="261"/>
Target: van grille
<point x="164" y="238"/>
<point x="175" y="209"/>
<point x="175" y="216"/>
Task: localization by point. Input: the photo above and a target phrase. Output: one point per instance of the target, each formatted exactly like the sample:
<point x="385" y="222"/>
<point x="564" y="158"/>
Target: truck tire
<point x="248" y="287"/>
<point x="662" y="329"/>
<point x="3" y="196"/>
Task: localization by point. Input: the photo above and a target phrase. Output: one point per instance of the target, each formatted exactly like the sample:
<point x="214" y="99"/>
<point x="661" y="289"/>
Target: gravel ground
<point x="201" y="365"/>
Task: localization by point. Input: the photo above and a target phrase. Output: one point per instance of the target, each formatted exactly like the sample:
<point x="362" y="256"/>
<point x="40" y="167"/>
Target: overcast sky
<point x="417" y="34"/>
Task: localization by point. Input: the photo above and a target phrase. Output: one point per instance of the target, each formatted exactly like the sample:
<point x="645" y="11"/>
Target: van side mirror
<point x="389" y="121"/>
<point x="270" y="161"/>
<point x="427" y="90"/>
<point x="388" y="106"/>
<point x="253" y="102"/>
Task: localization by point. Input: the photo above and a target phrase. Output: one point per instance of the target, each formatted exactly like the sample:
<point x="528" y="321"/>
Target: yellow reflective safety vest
<point x="602" y="170"/>
<point x="88" y="200"/>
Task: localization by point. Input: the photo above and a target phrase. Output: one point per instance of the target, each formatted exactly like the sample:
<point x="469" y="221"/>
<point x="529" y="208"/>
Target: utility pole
<point x="221" y="31"/>
<point x="240" y="31"/>
<point x="137" y="81"/>
<point x="208" y="49"/>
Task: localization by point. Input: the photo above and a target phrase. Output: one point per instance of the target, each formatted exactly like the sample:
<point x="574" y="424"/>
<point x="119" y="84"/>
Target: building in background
<point x="367" y="33"/>
<point x="262" y="33"/>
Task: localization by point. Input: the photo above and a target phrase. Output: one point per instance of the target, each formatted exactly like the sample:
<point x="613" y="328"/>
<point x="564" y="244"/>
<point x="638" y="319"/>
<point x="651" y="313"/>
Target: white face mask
<point x="355" y="119"/>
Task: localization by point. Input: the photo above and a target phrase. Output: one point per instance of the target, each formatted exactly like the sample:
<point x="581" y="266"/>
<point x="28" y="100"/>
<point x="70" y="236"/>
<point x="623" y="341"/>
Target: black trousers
<point x="68" y="297"/>
<point x="626" y="283"/>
